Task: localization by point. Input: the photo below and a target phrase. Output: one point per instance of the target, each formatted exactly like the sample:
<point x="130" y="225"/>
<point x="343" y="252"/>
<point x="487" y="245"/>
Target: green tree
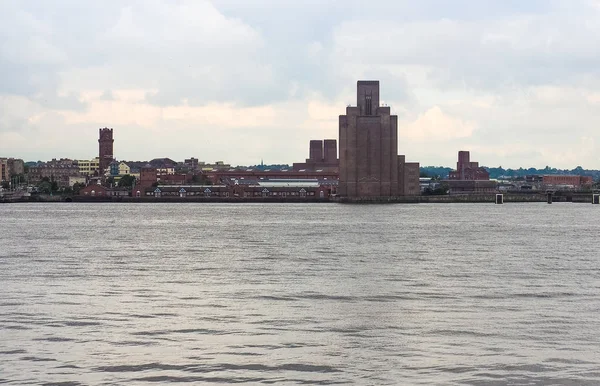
<point x="77" y="187"/>
<point x="126" y="181"/>
<point x="5" y="185"/>
<point x="45" y="187"/>
<point x="201" y="179"/>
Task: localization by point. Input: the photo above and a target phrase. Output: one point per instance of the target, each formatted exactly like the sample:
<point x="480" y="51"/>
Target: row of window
<point x="226" y="194"/>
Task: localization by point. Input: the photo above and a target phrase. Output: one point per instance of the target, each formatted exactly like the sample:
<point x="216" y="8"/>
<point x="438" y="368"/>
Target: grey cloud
<point x="189" y="50"/>
<point x="58" y="102"/>
<point x="257" y="52"/>
<point x="107" y="95"/>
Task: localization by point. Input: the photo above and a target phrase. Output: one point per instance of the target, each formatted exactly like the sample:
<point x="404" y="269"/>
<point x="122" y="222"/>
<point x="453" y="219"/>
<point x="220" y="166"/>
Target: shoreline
<point x="445" y="199"/>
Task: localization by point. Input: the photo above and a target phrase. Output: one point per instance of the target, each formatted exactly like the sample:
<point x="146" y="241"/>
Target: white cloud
<point x="514" y="81"/>
<point x="434" y="126"/>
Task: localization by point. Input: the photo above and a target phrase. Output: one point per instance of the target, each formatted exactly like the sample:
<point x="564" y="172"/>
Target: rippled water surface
<point x="109" y="294"/>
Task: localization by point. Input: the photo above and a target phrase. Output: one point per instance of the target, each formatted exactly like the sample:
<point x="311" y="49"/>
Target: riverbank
<point x="575" y="197"/>
<point x="473" y="198"/>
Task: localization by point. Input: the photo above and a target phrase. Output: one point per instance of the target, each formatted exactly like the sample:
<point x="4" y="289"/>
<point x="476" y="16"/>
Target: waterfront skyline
<point x="515" y="83"/>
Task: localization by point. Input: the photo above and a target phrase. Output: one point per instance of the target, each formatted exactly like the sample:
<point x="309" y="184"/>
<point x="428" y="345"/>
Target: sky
<point x="516" y="82"/>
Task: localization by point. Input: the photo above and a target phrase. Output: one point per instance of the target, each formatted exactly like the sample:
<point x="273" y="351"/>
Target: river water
<point x="451" y="294"/>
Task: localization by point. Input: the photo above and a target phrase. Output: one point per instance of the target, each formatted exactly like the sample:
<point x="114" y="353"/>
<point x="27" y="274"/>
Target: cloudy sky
<point x="517" y="82"/>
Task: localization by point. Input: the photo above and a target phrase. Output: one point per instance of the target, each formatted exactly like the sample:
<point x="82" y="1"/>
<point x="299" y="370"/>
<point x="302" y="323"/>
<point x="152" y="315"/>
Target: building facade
<point x="264" y="190"/>
<point x="105" y="154"/>
<point x="409" y="181"/>
<point x="88" y="168"/>
<point x="56" y="170"/>
<point x="99" y="191"/>
<point x="322" y="155"/>
<point x="369" y="162"/>
<point x="472" y="187"/>
<point x="469" y="177"/>
<point x="119" y="168"/>
<point x="11" y="167"/>
<point x="4" y="173"/>
<point x="467" y="170"/>
<point x="566" y="182"/>
<point x="191" y="163"/>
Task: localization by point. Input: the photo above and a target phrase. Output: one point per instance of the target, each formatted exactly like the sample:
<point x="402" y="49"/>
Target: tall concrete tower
<point x="368" y="146"/>
<point x="330" y="150"/>
<point x="105" y="154"/>
<point x="369" y="162"/>
<point x="315" y="151"/>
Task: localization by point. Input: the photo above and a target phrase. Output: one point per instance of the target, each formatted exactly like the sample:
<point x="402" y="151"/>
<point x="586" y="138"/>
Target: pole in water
<point x="499" y="199"/>
<point x="549" y="197"/>
<point x="596" y="199"/>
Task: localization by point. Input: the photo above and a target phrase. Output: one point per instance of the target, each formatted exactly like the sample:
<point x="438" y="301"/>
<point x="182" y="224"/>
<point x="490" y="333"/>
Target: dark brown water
<point x="112" y="294"/>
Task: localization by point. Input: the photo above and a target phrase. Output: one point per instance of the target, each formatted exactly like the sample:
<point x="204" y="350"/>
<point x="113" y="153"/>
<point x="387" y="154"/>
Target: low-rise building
<point x="88" y="168"/>
<point x="471" y="186"/>
<point x="270" y="189"/>
<point x="11" y="167"/>
<point x="81" y="180"/>
<point x="218" y="176"/>
<point x="469" y="177"/>
<point x="124" y="169"/>
<point x="408" y="177"/>
<point x="56" y="170"/>
<point x="219" y="165"/>
<point x="467" y="170"/>
<point x="191" y="163"/>
<point x="100" y="191"/>
<point x="4" y="174"/>
<point x="322" y="155"/>
<point x="562" y="182"/>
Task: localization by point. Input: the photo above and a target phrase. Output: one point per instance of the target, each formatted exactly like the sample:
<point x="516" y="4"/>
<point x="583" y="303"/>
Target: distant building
<point x="88" y="168"/>
<point x="322" y="156"/>
<point x="163" y="163"/>
<point x="124" y="169"/>
<point x="114" y="168"/>
<point x="219" y="176"/>
<point x="118" y="169"/>
<point x="4" y="173"/>
<point x="218" y="165"/>
<point x="472" y="186"/>
<point x="147" y="177"/>
<point x="99" y="191"/>
<point x="16" y="166"/>
<point x="469" y="177"/>
<point x="56" y="170"/>
<point x="11" y="167"/>
<point x="369" y="162"/>
<point x="467" y="170"/>
<point x="270" y="189"/>
<point x="409" y="183"/>
<point x="76" y="180"/>
<point x="566" y="182"/>
<point x="191" y="163"/>
<point x="106" y="155"/>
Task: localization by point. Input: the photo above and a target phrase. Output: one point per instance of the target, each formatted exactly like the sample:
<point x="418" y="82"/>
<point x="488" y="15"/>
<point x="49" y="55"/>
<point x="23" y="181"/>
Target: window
<point x="368" y="105"/>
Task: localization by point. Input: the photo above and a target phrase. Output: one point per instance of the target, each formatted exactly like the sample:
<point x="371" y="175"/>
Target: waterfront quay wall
<point x="464" y="198"/>
<point x="575" y="197"/>
<point x="468" y="198"/>
<point x="200" y="199"/>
